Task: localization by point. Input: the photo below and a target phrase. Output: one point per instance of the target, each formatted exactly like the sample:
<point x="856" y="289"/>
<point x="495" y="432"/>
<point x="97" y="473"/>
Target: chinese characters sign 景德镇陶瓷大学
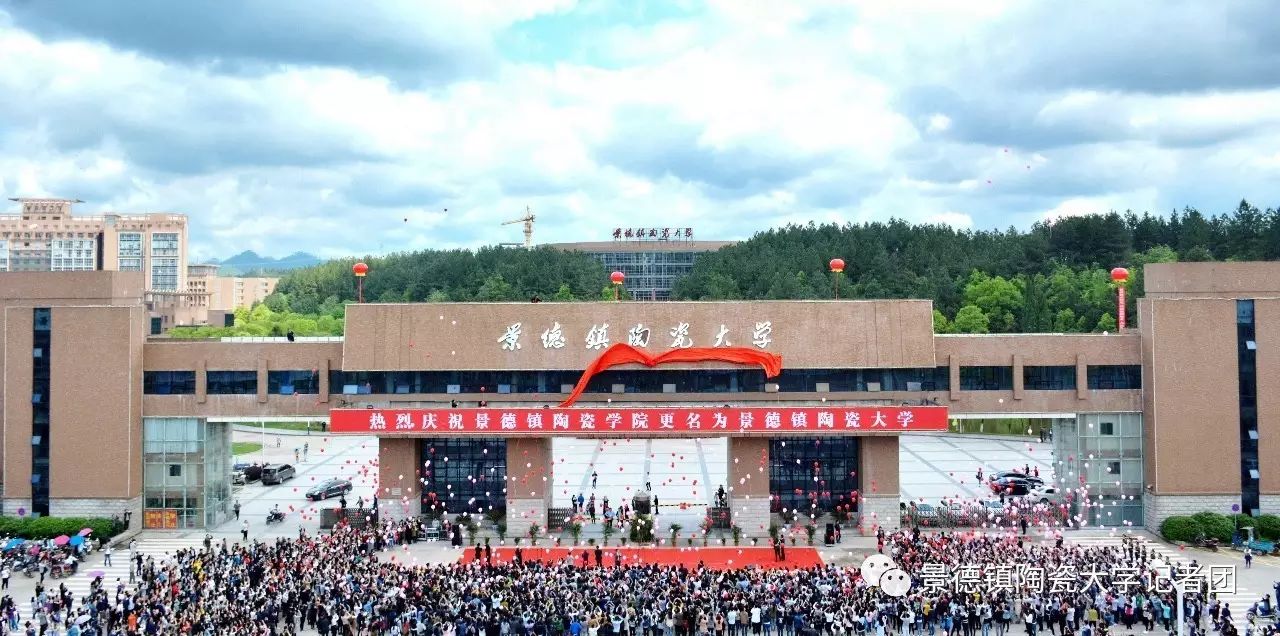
<point x="772" y="421"/>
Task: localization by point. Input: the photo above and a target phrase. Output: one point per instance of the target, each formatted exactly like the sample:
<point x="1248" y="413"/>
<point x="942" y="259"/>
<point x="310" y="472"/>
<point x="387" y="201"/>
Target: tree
<point x="970" y="319"/>
<point x="564" y="294"/>
<point x="999" y="299"/>
<point x="438" y="296"/>
<point x="941" y="324"/>
<point x="277" y="302"/>
<point x="495" y="288"/>
<point x="1064" y="321"/>
<point x="1106" y="323"/>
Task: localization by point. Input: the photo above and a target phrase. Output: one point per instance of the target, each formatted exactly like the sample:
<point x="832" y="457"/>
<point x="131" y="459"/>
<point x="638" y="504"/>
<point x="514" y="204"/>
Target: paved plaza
<point x="937" y="467"/>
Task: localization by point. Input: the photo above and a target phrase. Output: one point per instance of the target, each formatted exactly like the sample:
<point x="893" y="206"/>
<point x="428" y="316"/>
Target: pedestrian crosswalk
<point x="80" y="584"/>
<point x="1239" y="599"/>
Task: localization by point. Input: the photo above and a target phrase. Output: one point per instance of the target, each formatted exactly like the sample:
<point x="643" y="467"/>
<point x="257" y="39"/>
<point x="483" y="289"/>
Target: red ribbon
<point x="626" y="354"/>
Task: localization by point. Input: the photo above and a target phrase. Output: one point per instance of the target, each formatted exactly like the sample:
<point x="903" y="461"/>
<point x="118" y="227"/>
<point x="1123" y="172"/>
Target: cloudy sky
<point x="343" y="127"/>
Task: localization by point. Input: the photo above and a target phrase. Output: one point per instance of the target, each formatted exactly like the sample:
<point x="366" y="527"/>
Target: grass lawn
<point x="244" y="448"/>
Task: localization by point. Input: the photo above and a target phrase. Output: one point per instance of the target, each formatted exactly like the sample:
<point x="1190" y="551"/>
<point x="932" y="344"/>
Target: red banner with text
<point x="639" y="422"/>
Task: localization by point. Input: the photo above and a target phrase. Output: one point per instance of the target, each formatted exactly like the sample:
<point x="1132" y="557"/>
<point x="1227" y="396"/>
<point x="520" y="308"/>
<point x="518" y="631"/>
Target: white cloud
<point x="730" y="117"/>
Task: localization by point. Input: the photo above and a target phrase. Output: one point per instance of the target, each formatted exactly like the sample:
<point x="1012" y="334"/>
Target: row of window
<point x="983" y="378"/>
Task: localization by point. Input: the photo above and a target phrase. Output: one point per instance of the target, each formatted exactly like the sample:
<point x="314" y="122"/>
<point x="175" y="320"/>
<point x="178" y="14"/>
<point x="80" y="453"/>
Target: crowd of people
<point x="343" y="583"/>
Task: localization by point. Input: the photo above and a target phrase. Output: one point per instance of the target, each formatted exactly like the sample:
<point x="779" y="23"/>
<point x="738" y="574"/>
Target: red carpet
<point x="714" y="557"/>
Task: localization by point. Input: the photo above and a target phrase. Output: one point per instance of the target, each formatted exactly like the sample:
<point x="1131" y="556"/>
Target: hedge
<point x="1180" y="528"/>
<point x="1215" y="526"/>
<point x="50" y="527"/>
<point x="1221" y="527"/>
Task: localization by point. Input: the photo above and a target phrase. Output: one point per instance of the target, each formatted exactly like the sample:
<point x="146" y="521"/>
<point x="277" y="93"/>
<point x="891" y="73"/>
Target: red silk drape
<point x="625" y="354"/>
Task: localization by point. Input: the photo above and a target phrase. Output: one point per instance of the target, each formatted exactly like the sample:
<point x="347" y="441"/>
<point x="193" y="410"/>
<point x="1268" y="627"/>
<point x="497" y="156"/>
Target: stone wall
<point x="752" y="515"/>
<point x="1270" y="504"/>
<point x="522" y="513"/>
<point x="1157" y="508"/>
<point x="880" y="511"/>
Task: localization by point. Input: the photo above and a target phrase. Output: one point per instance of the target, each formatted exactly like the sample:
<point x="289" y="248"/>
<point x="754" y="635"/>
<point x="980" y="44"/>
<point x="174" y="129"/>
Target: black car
<point x="1015" y="486"/>
<point x="331" y="488"/>
<point x="1016" y="474"/>
<point x="251" y="472"/>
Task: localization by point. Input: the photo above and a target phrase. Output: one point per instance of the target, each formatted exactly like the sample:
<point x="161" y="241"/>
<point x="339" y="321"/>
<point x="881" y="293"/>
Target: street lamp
<point x="360" y="270"/>
<point x="616" y="278"/>
<point x="1120" y="276"/>
<point x="837" y="267"/>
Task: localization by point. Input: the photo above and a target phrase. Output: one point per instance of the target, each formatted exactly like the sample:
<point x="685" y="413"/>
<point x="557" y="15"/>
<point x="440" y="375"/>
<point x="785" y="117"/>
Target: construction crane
<point x="527" y="219"/>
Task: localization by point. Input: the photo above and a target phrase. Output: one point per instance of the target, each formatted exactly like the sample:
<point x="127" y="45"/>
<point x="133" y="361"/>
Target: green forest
<point x="1053" y="277"/>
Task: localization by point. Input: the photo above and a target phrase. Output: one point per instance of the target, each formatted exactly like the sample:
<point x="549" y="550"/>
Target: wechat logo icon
<point x="880" y="571"/>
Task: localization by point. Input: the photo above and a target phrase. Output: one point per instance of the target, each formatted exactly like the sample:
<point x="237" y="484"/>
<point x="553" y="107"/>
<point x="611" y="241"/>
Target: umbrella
<point x="96" y="573"/>
<point x="84" y="532"/>
<point x="76" y="540"/>
<point x="84" y="618"/>
<point x="61" y="540"/>
<point x="35" y="549"/>
<point x="13" y="543"/>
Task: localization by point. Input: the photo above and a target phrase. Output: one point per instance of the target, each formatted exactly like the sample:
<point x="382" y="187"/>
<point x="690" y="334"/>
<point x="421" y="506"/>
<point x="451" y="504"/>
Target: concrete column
<point x="323" y="370"/>
<point x="528" y="484"/>
<point x="1018" y="376"/>
<point x="1082" y="378"/>
<point x="878" y="478"/>
<point x="202" y="381"/>
<point x="262" y="381"/>
<point x="398" y="492"/>
<point x="953" y="372"/>
<point x="748" y="486"/>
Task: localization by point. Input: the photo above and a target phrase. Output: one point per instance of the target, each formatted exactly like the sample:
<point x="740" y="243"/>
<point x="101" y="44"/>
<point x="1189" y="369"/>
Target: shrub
<point x="1214" y="525"/>
<point x="50" y="527"/>
<point x="641" y="529"/>
<point x="1268" y="526"/>
<point x="1180" y="528"/>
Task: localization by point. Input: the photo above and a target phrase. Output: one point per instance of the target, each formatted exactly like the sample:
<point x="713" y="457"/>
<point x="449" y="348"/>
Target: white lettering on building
<point x="693" y="420"/>
<point x="508" y="422"/>
<point x="638" y="336"/>
<point x="510" y="340"/>
<point x="680" y="336"/>
<point x="721" y="421"/>
<point x="721" y="337"/>
<point x="760" y="336"/>
<point x="667" y="420"/>
<point x="455" y="421"/>
<point x="429" y="422"/>
<point x="482" y="421"/>
<point x="377" y="422"/>
<point x="639" y="420"/>
<point x="772" y="420"/>
<point x="852" y="419"/>
<point x="826" y="420"/>
<point x="598" y="337"/>
<point x="560" y="421"/>
<point x="745" y="420"/>
<point x="553" y="338"/>
<point x="799" y="419"/>
<point x="533" y="420"/>
<point x="404" y="422"/>
<point x="879" y="420"/>
<point x="613" y="419"/>
<point x="905" y="418"/>
<point x="586" y="421"/>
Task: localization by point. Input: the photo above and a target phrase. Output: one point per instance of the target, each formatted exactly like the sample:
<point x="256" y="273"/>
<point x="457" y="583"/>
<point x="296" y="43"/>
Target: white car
<point x="1044" y="495"/>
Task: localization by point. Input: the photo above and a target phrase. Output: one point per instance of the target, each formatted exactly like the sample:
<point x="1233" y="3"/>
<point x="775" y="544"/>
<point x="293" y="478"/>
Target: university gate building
<point x="97" y="414"/>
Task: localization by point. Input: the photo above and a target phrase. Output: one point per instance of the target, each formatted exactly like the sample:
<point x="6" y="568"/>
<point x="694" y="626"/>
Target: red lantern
<point x="360" y="269"/>
<point x="837" y="265"/>
<point x="617" y="277"/>
<point x="1120" y="275"/>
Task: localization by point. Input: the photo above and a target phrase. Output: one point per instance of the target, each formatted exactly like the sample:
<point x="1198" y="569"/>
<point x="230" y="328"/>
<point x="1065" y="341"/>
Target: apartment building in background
<point x="651" y="265"/>
<point x="44" y="236"/>
<point x="228" y="293"/>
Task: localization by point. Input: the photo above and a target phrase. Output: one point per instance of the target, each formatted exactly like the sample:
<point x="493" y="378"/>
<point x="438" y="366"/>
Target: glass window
<point x="1115" y="376"/>
<point x="169" y="382"/>
<point x="813" y="474"/>
<point x="986" y="378"/>
<point x="1107" y="428"/>
<point x="291" y="382"/>
<point x="232" y="382"/>
<point x="1052" y="378"/>
<point x="464" y="474"/>
<point x="1244" y="312"/>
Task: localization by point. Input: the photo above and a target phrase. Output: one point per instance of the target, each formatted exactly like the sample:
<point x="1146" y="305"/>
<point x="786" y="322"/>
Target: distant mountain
<point x="249" y="261"/>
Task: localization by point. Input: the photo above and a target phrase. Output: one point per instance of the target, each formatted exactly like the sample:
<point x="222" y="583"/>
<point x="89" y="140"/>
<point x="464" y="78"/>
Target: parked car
<point x="1044" y="494"/>
<point x="252" y="472"/>
<point x="330" y="488"/>
<point x="1011" y="486"/>
<point x="277" y="473"/>
<point x="1015" y="474"/>
<point x="237" y="477"/>
<point x="923" y="510"/>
